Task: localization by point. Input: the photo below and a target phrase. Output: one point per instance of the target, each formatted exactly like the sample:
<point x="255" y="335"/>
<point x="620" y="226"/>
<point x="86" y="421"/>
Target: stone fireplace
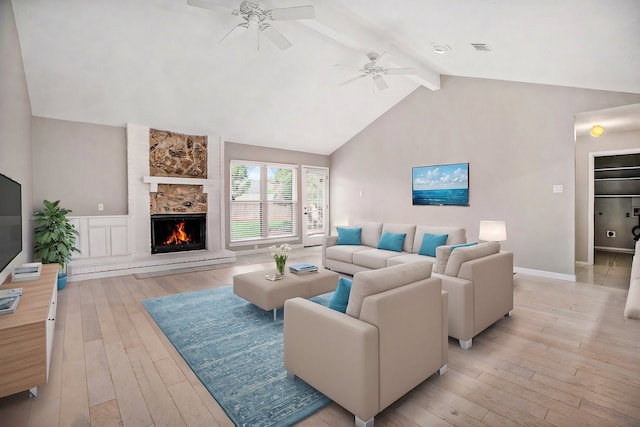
<point x="174" y="177"/>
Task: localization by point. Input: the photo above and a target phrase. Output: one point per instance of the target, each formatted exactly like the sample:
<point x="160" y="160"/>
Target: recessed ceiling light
<point x="441" y="48"/>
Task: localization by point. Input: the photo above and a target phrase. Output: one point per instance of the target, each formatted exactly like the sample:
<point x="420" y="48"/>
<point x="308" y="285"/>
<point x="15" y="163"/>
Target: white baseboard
<point x="547" y="274"/>
<point x="611" y="249"/>
<point x="581" y="263"/>
<point x="87" y="269"/>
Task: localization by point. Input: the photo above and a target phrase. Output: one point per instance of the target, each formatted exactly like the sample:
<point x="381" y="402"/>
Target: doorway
<point x="315" y="204"/>
<point x="614" y="176"/>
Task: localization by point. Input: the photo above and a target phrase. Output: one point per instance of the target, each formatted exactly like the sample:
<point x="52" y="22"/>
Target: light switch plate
<point x="558" y="188"/>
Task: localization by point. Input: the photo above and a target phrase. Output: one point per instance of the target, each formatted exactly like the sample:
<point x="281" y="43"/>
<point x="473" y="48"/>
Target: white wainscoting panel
<point x="102" y="236"/>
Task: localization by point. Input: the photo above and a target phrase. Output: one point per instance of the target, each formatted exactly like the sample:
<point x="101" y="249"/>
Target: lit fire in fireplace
<point x="178" y="236"/>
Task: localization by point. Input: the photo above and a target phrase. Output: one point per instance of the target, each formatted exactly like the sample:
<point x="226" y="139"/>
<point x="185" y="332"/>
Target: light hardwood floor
<point x="566" y="357"/>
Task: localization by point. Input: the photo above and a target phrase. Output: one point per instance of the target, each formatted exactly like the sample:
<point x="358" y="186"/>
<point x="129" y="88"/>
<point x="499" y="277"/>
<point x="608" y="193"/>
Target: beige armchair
<point x="479" y="280"/>
<point x="392" y="339"/>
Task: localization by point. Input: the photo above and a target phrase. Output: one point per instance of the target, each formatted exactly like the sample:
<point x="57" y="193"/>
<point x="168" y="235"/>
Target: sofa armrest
<point x="492" y="278"/>
<point x="409" y="322"/>
<point x="460" y="298"/>
<point x="335" y="353"/>
<point x="326" y="242"/>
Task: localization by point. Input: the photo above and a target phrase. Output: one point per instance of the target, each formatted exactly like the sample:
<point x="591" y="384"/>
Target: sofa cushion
<point x="370" y="233"/>
<point x="405" y="258"/>
<point x="456" y="235"/>
<point x="349" y="236"/>
<point x="443" y="253"/>
<point x="340" y="297"/>
<point x="391" y="241"/>
<point x="373" y="258"/>
<point x="408" y="229"/>
<point x="367" y="283"/>
<point x="343" y="253"/>
<point x="430" y="242"/>
<point x="468" y="253"/>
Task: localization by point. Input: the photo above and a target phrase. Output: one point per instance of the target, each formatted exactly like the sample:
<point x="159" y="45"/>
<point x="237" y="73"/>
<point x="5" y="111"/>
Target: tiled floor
<point x="610" y="269"/>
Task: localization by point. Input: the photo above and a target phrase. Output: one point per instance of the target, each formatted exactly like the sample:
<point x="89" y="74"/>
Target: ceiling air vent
<point x="481" y="47"/>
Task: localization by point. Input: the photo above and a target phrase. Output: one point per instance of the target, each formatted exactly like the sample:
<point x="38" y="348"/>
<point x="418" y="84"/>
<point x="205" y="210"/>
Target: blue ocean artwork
<point x="441" y="185"/>
<point x="458" y="196"/>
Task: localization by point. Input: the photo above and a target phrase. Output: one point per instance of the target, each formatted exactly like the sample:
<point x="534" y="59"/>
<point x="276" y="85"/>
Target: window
<point x="263" y="201"/>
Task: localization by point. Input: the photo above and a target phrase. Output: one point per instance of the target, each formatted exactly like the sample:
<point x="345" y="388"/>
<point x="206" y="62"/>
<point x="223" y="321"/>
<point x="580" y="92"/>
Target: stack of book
<point x="9" y="300"/>
<point x="303" y="268"/>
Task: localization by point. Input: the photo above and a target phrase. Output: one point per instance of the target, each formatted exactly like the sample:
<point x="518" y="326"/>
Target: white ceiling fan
<point x="376" y="71"/>
<point x="256" y="19"/>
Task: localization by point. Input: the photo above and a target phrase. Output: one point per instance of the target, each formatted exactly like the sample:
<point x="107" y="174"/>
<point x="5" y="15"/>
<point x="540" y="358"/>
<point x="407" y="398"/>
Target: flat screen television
<point x="10" y="220"/>
<point x="441" y="185"/>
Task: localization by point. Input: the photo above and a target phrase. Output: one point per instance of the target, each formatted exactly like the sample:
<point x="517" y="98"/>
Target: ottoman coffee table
<point x="271" y="295"/>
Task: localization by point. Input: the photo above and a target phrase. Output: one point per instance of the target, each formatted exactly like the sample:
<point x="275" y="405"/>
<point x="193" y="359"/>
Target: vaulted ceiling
<point x="159" y="63"/>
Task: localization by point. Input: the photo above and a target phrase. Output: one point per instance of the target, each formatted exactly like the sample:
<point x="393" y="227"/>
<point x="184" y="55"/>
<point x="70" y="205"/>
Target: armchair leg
<point x="360" y="423"/>
<point x="443" y="370"/>
<point x="466" y="344"/>
<point x="291" y="375"/>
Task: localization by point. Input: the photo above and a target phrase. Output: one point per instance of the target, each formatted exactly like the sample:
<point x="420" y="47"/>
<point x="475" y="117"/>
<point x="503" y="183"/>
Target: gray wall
<point x="81" y="165"/>
<point x="235" y="151"/>
<point x="15" y="126"/>
<point x="584" y="145"/>
<point x="519" y="141"/>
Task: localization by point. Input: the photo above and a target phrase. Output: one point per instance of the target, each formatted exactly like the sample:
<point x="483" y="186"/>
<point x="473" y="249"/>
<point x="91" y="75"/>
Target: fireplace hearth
<point x="178" y="232"/>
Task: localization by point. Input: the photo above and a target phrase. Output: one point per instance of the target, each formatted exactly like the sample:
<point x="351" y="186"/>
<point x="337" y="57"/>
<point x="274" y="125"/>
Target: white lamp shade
<point x="493" y="231"/>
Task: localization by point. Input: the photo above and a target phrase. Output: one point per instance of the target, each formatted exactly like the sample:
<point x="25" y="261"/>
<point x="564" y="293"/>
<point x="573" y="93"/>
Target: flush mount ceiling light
<point x="441" y="48"/>
<point x="596" y="131"/>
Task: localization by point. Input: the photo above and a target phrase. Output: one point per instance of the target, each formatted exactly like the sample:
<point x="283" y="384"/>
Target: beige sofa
<point x="392" y="337"/>
<point x="479" y="278"/>
<point x="350" y="259"/>
<point x="632" y="306"/>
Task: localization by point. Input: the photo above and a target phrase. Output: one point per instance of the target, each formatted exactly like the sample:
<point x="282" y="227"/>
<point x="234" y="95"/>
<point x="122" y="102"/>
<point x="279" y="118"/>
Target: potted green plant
<point x="55" y="238"/>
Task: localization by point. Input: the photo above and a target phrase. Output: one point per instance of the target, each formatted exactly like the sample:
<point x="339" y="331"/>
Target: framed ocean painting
<point x="441" y="185"/>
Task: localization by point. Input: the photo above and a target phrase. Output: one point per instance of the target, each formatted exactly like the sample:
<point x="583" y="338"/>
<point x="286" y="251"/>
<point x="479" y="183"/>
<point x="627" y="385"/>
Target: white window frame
<point x="266" y="205"/>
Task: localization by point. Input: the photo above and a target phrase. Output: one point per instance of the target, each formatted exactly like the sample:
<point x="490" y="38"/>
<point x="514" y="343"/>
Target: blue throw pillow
<point x="430" y="242"/>
<point x="340" y="298"/>
<point x="349" y="236"/>
<point x="391" y="241"/>
<point x="462" y="245"/>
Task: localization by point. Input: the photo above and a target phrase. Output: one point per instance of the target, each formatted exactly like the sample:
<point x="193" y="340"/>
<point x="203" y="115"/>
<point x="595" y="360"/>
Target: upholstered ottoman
<point x="271" y="295"/>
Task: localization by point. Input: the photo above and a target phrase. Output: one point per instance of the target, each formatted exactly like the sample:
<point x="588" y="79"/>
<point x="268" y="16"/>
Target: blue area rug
<point x="235" y="349"/>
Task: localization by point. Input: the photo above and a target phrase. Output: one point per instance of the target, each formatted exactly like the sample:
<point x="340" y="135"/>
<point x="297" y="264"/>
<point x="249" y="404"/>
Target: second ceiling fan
<point x="256" y="19"/>
<point x="376" y="71"/>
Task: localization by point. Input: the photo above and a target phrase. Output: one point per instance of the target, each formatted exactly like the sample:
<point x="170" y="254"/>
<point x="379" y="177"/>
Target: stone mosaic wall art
<point x="177" y="155"/>
<point x="177" y="198"/>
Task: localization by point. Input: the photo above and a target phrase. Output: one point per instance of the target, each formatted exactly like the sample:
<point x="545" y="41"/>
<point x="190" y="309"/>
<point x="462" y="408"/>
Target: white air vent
<point x="481" y="47"/>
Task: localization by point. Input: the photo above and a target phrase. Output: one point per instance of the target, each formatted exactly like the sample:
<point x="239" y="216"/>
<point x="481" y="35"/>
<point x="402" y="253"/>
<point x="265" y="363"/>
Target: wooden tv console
<point x="26" y="336"/>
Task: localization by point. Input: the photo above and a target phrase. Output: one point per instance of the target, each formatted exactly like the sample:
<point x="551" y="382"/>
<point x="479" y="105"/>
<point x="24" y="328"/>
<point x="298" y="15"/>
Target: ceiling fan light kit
<point x="596" y="131"/>
<point x="256" y="17"/>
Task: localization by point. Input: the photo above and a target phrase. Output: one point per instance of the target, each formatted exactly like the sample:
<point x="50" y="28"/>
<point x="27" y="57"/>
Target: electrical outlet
<point x="100" y="207"/>
<point x="611" y="233"/>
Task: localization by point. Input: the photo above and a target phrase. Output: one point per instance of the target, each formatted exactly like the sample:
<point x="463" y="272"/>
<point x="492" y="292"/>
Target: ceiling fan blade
<point x="375" y="61"/>
<point x="401" y="71"/>
<point x="210" y="4"/>
<point x="234" y="33"/>
<point x="380" y="83"/>
<point x="352" y="80"/>
<point x="289" y="13"/>
<point x="348" y="66"/>
<point x="276" y="37"/>
<point x="254" y="33"/>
